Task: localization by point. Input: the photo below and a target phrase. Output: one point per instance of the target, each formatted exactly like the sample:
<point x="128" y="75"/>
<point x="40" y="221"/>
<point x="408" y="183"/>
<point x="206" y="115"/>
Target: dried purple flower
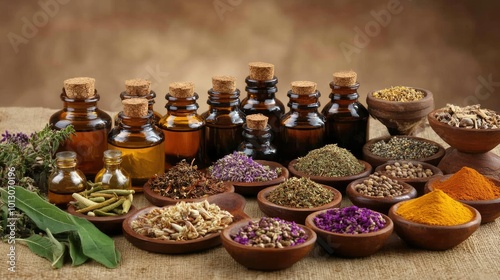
<point x="19" y="138"/>
<point x="350" y="220"/>
<point x="238" y="167"/>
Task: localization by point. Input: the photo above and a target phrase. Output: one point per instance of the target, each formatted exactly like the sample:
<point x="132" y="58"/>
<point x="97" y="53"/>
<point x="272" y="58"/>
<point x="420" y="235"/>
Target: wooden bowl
<point x="379" y="204"/>
<point x="376" y="160"/>
<point x="351" y="245"/>
<point x="266" y="259"/>
<point x="473" y="141"/>
<point x="417" y="183"/>
<point x="251" y="189"/>
<point x="109" y="225"/>
<point x="231" y="202"/>
<point x="297" y="215"/>
<point x="432" y="237"/>
<point x="160" y="200"/>
<point x="489" y="209"/>
<point x="401" y="118"/>
<point x="340" y="183"/>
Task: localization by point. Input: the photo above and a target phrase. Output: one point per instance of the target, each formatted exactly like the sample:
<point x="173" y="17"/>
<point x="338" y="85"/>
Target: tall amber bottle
<point x="346" y="117"/>
<point x="257" y="137"/>
<point x="140" y="88"/>
<point x="223" y="120"/>
<point x="91" y="124"/>
<point x="261" y="95"/>
<point x="303" y="127"/>
<point x="65" y="180"/>
<point x="140" y="141"/>
<point x="182" y="125"/>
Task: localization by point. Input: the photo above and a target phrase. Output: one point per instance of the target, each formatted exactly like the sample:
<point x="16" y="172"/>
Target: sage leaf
<point x="58" y="250"/>
<point x="75" y="250"/>
<point x="39" y="245"/>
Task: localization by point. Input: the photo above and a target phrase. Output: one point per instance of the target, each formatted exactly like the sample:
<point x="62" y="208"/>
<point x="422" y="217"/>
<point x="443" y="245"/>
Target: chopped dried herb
<point x="238" y="167"/>
<point x="399" y="94"/>
<point x="403" y="148"/>
<point x="300" y="193"/>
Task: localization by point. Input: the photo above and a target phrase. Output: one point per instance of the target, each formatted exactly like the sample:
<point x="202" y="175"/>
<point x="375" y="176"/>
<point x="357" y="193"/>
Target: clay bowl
<point x="379" y="204"/>
<point x="266" y="259"/>
<point x="160" y="200"/>
<point x="473" y="141"/>
<point x="297" y="215"/>
<point x="340" y="183"/>
<point x="376" y="160"/>
<point x="109" y="225"/>
<point x="251" y="189"/>
<point x="351" y="245"/>
<point x="489" y="209"/>
<point x="432" y="237"/>
<point x="417" y="183"/>
<point x="401" y="118"/>
<point x="231" y="202"/>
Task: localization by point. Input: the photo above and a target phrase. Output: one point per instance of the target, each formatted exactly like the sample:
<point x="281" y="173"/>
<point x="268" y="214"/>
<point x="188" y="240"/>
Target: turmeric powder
<point x="468" y="184"/>
<point x="435" y="208"/>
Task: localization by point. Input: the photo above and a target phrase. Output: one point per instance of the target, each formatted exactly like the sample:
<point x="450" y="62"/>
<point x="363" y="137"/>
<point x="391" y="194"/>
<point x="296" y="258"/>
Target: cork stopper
<point x="256" y="121"/>
<point x="80" y="87"/>
<point x="224" y="84"/>
<point x="261" y="71"/>
<point x="345" y="78"/>
<point x="135" y="107"/>
<point x="303" y="87"/>
<point x="181" y="89"/>
<point x="138" y="87"/>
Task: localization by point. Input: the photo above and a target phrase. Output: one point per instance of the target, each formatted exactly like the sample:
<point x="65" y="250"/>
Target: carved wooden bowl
<point x="110" y="225"/>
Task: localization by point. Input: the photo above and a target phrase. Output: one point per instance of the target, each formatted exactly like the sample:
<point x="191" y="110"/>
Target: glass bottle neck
<point x="80" y="105"/>
<point x="186" y="105"/>
<point x="136" y="123"/>
<point x="259" y="135"/>
<point x="261" y="90"/>
<point x="344" y="92"/>
<point x="223" y="100"/>
<point x="304" y="102"/>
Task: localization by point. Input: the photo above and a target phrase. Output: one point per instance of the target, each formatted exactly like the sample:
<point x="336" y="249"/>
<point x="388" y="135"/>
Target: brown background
<point x="448" y="47"/>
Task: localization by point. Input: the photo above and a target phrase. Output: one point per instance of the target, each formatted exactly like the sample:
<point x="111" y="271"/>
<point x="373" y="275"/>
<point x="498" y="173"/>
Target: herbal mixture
<point x="238" y="167"/>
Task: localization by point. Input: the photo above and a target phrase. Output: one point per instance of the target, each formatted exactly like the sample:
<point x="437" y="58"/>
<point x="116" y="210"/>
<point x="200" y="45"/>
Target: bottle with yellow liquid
<point x="65" y="180"/>
<point x="113" y="175"/>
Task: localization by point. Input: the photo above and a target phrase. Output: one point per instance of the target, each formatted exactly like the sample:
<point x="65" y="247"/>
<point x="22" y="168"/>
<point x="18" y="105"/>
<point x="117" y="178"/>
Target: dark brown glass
<point x="257" y="144"/>
<point x="92" y="127"/>
<point x="346" y="119"/>
<point x="151" y="100"/>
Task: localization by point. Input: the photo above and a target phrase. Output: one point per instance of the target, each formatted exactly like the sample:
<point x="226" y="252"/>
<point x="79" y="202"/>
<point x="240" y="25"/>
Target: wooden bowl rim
<point x="428" y="96"/>
<point x="411" y="192"/>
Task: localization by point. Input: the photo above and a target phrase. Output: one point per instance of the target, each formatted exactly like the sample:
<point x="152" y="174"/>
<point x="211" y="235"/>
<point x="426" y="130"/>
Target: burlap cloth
<point x="476" y="258"/>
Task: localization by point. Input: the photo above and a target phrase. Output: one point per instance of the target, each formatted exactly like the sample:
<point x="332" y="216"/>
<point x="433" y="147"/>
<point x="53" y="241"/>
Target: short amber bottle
<point x="346" y="117"/>
<point x="139" y="88"/>
<point x="224" y="119"/>
<point x="182" y="126"/>
<point x="257" y="137"/>
<point x="91" y="124"/>
<point x="140" y="141"/>
<point x="303" y="127"/>
<point x="65" y="180"/>
<point x="113" y="175"/>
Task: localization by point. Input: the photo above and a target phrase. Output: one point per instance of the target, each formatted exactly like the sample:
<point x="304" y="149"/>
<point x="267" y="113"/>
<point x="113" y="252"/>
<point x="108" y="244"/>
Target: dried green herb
<point x="403" y="148"/>
<point x="399" y="94"/>
<point x="329" y="161"/>
<point x="300" y="193"/>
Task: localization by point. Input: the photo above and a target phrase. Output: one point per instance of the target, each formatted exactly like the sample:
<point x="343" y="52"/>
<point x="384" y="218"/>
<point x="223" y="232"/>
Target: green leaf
<point x="75" y="250"/>
<point x="58" y="251"/>
<point x="44" y="247"/>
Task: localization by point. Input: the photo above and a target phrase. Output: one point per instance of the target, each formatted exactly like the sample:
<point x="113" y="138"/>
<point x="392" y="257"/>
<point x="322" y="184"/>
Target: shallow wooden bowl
<point x="351" y="245"/>
<point x="401" y="118"/>
<point x="473" y="141"/>
<point x="160" y="200"/>
<point x="109" y="225"/>
<point x="489" y="209"/>
<point x="376" y="160"/>
<point x="431" y="237"/>
<point x="251" y="189"/>
<point x="417" y="183"/>
<point x="231" y="202"/>
<point x="297" y="215"/>
<point x="379" y="204"/>
<point x="266" y="259"/>
<point x="340" y="183"/>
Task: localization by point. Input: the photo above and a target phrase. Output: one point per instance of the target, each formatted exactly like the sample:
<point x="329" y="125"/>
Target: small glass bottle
<point x="140" y="141"/>
<point x="139" y="88"/>
<point x="182" y="125"/>
<point x="91" y="124"/>
<point x="113" y="176"/>
<point x="303" y="127"/>
<point x="261" y="90"/>
<point x="65" y="180"/>
<point x="224" y="120"/>
<point x="346" y="118"/>
<point x="257" y="136"/>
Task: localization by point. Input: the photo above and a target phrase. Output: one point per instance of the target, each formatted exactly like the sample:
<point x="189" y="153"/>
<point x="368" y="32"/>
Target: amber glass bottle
<point x="257" y="136"/>
<point x="182" y="126"/>
<point x="223" y="120"/>
<point x="113" y="176"/>
<point x="65" y="180"/>
<point x="140" y="141"/>
<point x="346" y="118"/>
<point x="303" y="127"/>
<point x="139" y="88"/>
<point x="261" y="95"/>
<point x="91" y="124"/>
